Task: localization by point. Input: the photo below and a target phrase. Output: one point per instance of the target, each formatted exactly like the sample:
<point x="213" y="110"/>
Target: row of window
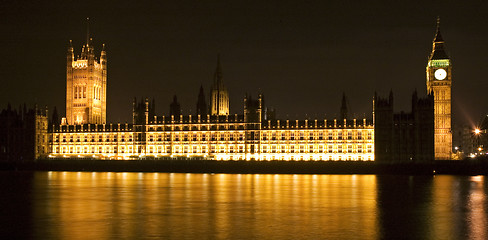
<point x="79" y="91"/>
<point x="92" y="138"/>
<point x="273" y="136"/>
<point x="198" y="137"/>
<point x="217" y="149"/>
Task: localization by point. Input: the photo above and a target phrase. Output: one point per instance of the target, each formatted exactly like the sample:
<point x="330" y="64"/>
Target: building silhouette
<point x="174" y="107"/>
<point x="23" y="134"/>
<point x="404" y="137"/>
<point x="201" y="103"/>
<point x="142" y="111"/>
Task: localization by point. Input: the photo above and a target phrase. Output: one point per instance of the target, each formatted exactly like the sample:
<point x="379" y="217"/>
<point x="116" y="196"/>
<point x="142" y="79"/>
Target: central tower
<point x="439" y="83"/>
<point x="219" y="97"/>
<point x="86" y="85"/>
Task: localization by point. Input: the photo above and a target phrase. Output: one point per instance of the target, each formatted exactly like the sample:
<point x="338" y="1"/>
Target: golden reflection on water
<point x="86" y="205"/>
<point x="460" y="207"/>
<point x="477" y="206"/>
<point x="82" y="205"/>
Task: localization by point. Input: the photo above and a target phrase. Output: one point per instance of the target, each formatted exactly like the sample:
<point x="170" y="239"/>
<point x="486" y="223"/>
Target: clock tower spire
<point x="439" y="83"/>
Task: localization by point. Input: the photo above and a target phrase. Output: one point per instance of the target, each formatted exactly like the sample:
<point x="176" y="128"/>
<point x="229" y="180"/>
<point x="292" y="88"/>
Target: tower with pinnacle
<point x="86" y="85"/>
<point x="439" y="83"/>
<point x="219" y="97"/>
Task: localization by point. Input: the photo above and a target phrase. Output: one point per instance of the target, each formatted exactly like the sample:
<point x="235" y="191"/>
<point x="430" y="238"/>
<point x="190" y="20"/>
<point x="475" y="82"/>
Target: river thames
<point x="108" y="205"/>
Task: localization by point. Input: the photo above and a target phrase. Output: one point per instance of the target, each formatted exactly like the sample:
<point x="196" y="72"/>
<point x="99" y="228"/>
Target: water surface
<point x="85" y="205"/>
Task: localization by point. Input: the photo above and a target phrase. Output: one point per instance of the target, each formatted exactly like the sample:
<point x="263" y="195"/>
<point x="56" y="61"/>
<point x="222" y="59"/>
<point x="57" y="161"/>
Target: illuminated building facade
<point x="86" y="86"/>
<point x="439" y="83"/>
<point x="227" y="137"/>
<point x="254" y="134"/>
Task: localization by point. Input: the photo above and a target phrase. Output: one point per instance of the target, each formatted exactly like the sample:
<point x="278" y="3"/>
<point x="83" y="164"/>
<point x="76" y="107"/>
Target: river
<point x="108" y="205"/>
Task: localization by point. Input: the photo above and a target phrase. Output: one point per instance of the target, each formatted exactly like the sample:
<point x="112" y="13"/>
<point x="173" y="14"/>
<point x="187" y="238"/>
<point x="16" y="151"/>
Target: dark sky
<point x="301" y="54"/>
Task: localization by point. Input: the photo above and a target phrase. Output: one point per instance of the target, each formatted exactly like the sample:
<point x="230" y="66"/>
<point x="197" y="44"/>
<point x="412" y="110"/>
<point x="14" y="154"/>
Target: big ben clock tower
<point x="439" y="82"/>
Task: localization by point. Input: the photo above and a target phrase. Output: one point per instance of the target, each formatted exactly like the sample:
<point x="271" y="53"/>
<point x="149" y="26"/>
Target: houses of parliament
<point x="422" y="135"/>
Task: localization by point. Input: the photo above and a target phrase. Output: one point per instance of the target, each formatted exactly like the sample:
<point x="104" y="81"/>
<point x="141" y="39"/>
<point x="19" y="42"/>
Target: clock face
<point x="440" y="74"/>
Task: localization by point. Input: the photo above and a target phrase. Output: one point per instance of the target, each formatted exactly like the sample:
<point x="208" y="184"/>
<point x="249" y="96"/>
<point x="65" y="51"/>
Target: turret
<point x="201" y="104"/>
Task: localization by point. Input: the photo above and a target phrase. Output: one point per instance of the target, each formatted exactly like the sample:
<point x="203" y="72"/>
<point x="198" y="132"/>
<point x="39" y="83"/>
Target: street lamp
<point x="477" y="131"/>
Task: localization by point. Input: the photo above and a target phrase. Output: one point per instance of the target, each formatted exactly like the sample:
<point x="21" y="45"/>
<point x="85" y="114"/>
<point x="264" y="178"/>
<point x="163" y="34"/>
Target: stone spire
<point x="218" y="81"/>
<point x="438" y="51"/>
<point x="219" y="97"/>
<point x="201" y="103"/>
<point x="87" y="32"/>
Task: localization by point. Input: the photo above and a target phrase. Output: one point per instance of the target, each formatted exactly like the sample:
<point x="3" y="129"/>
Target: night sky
<point x="300" y="54"/>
